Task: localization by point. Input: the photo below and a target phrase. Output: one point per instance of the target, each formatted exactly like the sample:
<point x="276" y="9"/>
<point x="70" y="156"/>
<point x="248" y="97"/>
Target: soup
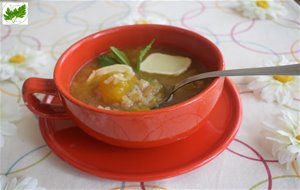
<point x="120" y="87"/>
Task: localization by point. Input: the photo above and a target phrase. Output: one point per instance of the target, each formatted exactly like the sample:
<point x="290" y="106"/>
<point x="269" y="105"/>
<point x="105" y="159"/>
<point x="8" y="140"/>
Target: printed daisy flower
<point x="17" y="65"/>
<point x="281" y="89"/>
<point x="261" y="9"/>
<point x="136" y="18"/>
<point x="286" y="138"/>
<point x="9" y="113"/>
<point x="23" y="183"/>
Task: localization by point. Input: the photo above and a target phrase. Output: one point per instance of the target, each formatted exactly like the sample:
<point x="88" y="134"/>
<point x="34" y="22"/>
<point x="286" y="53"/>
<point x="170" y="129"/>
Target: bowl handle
<point x="50" y="106"/>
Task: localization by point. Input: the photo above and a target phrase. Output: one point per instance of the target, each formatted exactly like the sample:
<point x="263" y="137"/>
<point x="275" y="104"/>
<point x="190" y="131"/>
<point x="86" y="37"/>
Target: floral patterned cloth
<point x="265" y="152"/>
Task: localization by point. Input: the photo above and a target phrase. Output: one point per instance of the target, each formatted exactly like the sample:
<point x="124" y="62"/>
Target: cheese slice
<point x="164" y="64"/>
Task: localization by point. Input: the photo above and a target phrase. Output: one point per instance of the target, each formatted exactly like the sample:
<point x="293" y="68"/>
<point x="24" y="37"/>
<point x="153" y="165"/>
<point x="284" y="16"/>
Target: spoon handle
<point x="275" y="70"/>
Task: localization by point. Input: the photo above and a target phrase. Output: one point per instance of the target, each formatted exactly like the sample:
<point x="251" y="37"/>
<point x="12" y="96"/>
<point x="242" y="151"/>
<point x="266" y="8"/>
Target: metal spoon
<point x="276" y="70"/>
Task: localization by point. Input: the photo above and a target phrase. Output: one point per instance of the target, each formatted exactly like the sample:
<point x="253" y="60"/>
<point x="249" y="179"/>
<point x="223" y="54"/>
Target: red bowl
<point x="129" y="129"/>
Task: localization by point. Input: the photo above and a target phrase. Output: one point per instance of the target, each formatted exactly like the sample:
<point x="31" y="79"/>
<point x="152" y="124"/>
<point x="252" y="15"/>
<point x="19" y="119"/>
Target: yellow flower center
<point x="142" y="21"/>
<point x="284" y="79"/>
<point x="298" y="137"/>
<point x="17" y="59"/>
<point x="262" y="4"/>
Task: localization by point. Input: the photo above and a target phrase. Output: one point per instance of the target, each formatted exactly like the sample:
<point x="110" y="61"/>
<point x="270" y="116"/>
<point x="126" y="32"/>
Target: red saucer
<point x="107" y="161"/>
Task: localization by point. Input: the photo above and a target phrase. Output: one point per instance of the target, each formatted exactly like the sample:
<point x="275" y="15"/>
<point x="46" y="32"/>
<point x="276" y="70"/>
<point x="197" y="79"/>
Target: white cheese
<point x="164" y="64"/>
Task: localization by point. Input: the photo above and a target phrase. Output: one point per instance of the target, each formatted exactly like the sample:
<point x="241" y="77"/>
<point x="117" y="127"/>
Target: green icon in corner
<point x="12" y="15"/>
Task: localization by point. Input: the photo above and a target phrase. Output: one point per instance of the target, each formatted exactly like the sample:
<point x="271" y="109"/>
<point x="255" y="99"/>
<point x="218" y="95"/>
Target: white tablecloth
<point x="247" y="163"/>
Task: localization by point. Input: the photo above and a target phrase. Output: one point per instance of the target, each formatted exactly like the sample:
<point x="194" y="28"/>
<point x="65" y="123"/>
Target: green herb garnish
<point x="121" y="58"/>
<point x="120" y="55"/>
<point x="14" y="14"/>
<point x="142" y="54"/>
<point x="105" y="60"/>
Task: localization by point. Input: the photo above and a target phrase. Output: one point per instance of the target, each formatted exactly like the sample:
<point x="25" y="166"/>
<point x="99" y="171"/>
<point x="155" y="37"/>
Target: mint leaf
<point x="120" y="55"/>
<point x="105" y="60"/>
<point x="142" y="54"/>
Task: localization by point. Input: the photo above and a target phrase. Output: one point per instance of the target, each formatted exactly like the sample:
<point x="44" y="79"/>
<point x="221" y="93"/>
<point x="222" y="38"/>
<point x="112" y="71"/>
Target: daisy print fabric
<point x="280" y="89"/>
<point x="261" y="9"/>
<point x="285" y="135"/>
<point x="137" y="18"/>
<point x="21" y="183"/>
<point x="17" y="65"/>
<point x="264" y="149"/>
<point x="9" y="114"/>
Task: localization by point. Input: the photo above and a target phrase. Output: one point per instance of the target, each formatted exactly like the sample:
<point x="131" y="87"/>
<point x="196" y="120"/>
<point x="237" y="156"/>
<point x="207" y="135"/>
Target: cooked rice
<point x="109" y="80"/>
<point x="144" y="95"/>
